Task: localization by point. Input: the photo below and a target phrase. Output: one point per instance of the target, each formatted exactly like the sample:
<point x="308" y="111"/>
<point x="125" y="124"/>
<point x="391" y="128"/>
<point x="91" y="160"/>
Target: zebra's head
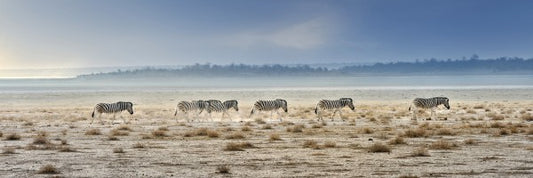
<point x="129" y="106"/>
<point x="348" y="102"/>
<point x="283" y="104"/>
<point x="446" y="102"/>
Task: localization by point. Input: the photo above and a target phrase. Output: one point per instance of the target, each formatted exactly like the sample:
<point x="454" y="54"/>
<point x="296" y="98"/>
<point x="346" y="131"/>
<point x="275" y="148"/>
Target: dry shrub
<point x="117" y="132"/>
<point x="42" y="134"/>
<point x="138" y="145"/>
<point x="66" y="149"/>
<point x="330" y="144"/>
<point x="420" y="151"/>
<point x="159" y="133"/>
<point x="8" y="150"/>
<point x="527" y="117"/>
<point x="163" y="128"/>
<point x="413" y="133"/>
<point x="470" y="141"/>
<point x="246" y="129"/>
<point x="479" y="107"/>
<point x="267" y="126"/>
<point x="146" y="136"/>
<point x="296" y="128"/>
<point x="379" y="148"/>
<point x="118" y="150"/>
<point x="408" y="176"/>
<point x="237" y="146"/>
<point x="124" y="128"/>
<point x="530" y="131"/>
<point x="495" y="116"/>
<point x="397" y="141"/>
<point x="93" y="132"/>
<point x="1" y="134"/>
<point x="235" y="135"/>
<point x="442" y="145"/>
<point x="286" y="123"/>
<point x="316" y="126"/>
<point x="382" y="135"/>
<point x="260" y="121"/>
<point x="40" y="140"/>
<point x="445" y="132"/>
<point x="366" y="130"/>
<point x="112" y="138"/>
<point x="223" y="169"/>
<point x="13" y="136"/>
<point x="501" y="132"/>
<point x="200" y="132"/>
<point x="48" y="169"/>
<point x="497" y="125"/>
<point x="311" y="144"/>
<point x="274" y="137"/>
<point x="212" y="133"/>
<point x="470" y="111"/>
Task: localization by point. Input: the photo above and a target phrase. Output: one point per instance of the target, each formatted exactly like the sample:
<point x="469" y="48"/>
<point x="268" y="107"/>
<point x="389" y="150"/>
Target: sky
<point x="98" y="33"/>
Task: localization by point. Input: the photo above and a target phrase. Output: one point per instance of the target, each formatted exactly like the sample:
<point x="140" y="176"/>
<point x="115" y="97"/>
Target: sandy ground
<point x="479" y="137"/>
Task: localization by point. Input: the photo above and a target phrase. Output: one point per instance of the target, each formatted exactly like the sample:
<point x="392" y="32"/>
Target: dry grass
<point x="66" y="149"/>
<point x="316" y="126"/>
<point x="296" y="128"/>
<point x="223" y="169"/>
<point x="138" y="145"/>
<point x="495" y="116"/>
<point x="12" y="136"/>
<point x="274" y="137"/>
<point x="112" y="138"/>
<point x="470" y="141"/>
<point x="408" y="176"/>
<point x="442" y="145"/>
<point x="48" y="169"/>
<point x="445" y="131"/>
<point x="397" y="141"/>
<point x="1" y="134"/>
<point x="93" y="132"/>
<point x="530" y="131"/>
<point x="414" y="133"/>
<point x="379" y="148"/>
<point x="246" y="129"/>
<point x="420" y="151"/>
<point x="527" y="117"/>
<point x="212" y="133"/>
<point x="159" y="133"/>
<point x="118" y="150"/>
<point x="235" y="135"/>
<point x="366" y="130"/>
<point x="260" y="121"/>
<point x="311" y="144"/>
<point x="330" y="144"/>
<point x="118" y="132"/>
<point x="267" y="127"/>
<point x="124" y="128"/>
<point x="497" y="125"/>
<point x="40" y="140"/>
<point x="237" y="146"/>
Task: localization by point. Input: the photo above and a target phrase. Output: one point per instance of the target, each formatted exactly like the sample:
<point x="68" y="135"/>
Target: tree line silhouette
<point x="473" y="65"/>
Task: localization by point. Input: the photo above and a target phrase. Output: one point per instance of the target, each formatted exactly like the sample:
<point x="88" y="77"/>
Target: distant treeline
<point x="474" y="65"/>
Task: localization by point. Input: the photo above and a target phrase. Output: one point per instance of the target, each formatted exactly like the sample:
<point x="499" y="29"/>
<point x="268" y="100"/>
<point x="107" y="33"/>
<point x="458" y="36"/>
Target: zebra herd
<point x="198" y="106"/>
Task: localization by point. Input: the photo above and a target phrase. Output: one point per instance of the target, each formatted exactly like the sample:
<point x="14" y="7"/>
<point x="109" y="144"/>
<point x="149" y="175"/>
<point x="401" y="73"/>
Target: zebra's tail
<point x="409" y="108"/>
<point x="316" y="110"/>
<point x="251" y="112"/>
<point x="92" y="115"/>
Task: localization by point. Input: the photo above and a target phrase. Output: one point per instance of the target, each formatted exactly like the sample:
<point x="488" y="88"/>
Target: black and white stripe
<point x="187" y="107"/>
<point x="428" y="103"/>
<point x="219" y="106"/>
<point x="114" y="108"/>
<point x="336" y="105"/>
<point x="270" y="105"/>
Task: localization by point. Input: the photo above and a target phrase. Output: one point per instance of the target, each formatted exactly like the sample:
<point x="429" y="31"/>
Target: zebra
<point x="190" y="106"/>
<point x="114" y="108"/>
<point x="270" y="105"/>
<point x="219" y="106"/>
<point x="428" y="103"/>
<point x="336" y="105"/>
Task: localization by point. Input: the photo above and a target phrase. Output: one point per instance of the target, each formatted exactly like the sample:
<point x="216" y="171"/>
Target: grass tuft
<point x="397" y="141"/>
<point x="93" y="132"/>
<point x="442" y="145"/>
<point x="274" y="137"/>
<point x="223" y="169"/>
<point x="13" y="136"/>
<point x="237" y="146"/>
<point x="420" y="151"/>
<point x="379" y="148"/>
<point x="48" y="169"/>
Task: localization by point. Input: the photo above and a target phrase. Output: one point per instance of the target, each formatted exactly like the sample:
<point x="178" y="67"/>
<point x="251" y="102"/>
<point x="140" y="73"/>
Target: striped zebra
<point x="335" y="105"/>
<point x="187" y="107"/>
<point x="428" y="103"/>
<point x="270" y="105"/>
<point x="219" y="106"/>
<point x="114" y="108"/>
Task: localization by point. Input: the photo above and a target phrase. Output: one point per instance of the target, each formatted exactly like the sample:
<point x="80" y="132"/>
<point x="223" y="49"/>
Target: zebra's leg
<point x="414" y="113"/>
<point x="100" y="117"/>
<point x="333" y="115"/>
<point x="432" y="113"/>
<point x="279" y="114"/>
<point x="340" y="115"/>
<point x="318" y="114"/>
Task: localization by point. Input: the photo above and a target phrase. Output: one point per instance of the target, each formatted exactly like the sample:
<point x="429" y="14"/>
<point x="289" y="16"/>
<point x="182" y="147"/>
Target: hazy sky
<point x="67" y="33"/>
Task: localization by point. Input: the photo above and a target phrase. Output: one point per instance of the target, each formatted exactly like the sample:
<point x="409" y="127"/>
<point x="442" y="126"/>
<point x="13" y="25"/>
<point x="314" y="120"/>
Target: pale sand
<point x="382" y="112"/>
